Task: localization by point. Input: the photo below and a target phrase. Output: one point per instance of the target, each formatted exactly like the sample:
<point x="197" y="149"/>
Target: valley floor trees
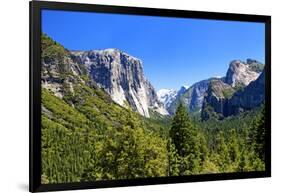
<point x="186" y="144"/>
<point x="218" y="148"/>
<point x="76" y="148"/>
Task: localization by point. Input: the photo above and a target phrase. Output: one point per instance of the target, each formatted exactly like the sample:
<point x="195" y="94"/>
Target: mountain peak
<point x="251" y="61"/>
<point x="183" y="89"/>
<point x="240" y="74"/>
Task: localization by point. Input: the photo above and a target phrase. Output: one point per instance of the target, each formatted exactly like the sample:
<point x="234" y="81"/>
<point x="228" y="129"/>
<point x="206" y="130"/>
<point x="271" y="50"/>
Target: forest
<point x="83" y="145"/>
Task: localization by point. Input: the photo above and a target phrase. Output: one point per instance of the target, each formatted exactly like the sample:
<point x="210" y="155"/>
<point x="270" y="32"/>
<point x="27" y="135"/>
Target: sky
<point x="174" y="51"/>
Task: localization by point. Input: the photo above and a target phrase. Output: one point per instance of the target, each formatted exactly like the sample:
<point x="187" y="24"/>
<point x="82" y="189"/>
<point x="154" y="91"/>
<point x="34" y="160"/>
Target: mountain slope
<point x="86" y="136"/>
<point x="222" y="100"/>
<point x="248" y="98"/>
<point x="214" y="99"/>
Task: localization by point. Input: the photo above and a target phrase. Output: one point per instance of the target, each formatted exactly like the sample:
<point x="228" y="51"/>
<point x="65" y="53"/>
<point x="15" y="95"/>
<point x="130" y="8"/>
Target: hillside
<point x="84" y="129"/>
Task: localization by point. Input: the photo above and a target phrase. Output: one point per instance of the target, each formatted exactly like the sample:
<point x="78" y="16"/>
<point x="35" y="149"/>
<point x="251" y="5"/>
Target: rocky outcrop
<point x="122" y="77"/>
<point x="235" y="92"/>
<point x="56" y="63"/>
<point x="247" y="98"/>
<point x="255" y="65"/>
<point x="215" y="98"/>
<point x="240" y="73"/>
<point x="221" y="100"/>
<point x="197" y="94"/>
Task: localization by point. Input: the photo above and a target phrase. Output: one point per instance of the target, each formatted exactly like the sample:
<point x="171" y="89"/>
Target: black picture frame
<point x="35" y="94"/>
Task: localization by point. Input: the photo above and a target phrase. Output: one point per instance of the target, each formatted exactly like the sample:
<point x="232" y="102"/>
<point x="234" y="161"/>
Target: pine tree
<point x="259" y="135"/>
<point x="184" y="137"/>
<point x="223" y="152"/>
<point x="233" y="147"/>
<point x="174" y="160"/>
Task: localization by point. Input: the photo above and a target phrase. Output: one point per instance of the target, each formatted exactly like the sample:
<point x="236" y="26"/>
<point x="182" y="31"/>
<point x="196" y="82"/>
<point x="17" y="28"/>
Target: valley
<point x="103" y="120"/>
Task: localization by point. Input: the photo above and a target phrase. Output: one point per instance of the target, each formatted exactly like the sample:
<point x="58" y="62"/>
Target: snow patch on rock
<point x="167" y="96"/>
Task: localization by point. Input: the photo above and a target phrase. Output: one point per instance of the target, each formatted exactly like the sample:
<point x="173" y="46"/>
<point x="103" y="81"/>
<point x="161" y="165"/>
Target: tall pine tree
<point x="259" y="135"/>
<point x="185" y="139"/>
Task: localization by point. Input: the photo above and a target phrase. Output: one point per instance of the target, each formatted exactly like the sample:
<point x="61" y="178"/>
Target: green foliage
<point x="258" y="127"/>
<point x="174" y="160"/>
<point x="209" y="113"/>
<point x="233" y="148"/>
<point x="63" y="153"/>
<point x="186" y="140"/>
<point x="129" y="152"/>
<point x="91" y="138"/>
<point x="257" y="67"/>
<point x="227" y="93"/>
<point x="82" y="144"/>
<point x="53" y="52"/>
<point x="222" y="150"/>
<point x="232" y="142"/>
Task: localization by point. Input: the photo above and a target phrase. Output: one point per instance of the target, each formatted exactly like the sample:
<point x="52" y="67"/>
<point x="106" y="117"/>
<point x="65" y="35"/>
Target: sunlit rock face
<point x="122" y="77"/>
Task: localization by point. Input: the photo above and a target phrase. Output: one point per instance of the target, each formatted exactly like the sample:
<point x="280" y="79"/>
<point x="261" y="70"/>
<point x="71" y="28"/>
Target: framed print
<point x="125" y="96"/>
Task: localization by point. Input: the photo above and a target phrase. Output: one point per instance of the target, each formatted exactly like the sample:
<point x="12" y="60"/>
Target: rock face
<point x="255" y="65"/>
<point x="197" y="92"/>
<point x="121" y="76"/>
<point x="240" y="73"/>
<point x="222" y="100"/>
<point x="235" y="92"/>
<point x="215" y="97"/>
<point x="247" y="98"/>
<point x="55" y="62"/>
<point x="191" y="97"/>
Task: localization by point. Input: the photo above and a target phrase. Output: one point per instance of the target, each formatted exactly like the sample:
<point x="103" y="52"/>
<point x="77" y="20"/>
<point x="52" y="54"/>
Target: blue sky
<point x="174" y="51"/>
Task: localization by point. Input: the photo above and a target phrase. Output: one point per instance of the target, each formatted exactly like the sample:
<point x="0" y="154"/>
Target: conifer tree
<point x="223" y="151"/>
<point x="259" y="135"/>
<point x="185" y="139"/>
<point x="233" y="147"/>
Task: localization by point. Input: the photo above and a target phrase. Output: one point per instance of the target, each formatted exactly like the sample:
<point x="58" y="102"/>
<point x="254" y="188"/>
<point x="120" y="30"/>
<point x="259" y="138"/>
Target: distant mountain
<point x="191" y="97"/>
<point x="247" y="98"/>
<point x="222" y="100"/>
<point x="122" y="77"/>
<point x="167" y="96"/>
<point x="214" y="90"/>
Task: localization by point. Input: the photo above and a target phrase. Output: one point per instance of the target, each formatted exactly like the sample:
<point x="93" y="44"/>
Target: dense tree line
<point x="219" y="146"/>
